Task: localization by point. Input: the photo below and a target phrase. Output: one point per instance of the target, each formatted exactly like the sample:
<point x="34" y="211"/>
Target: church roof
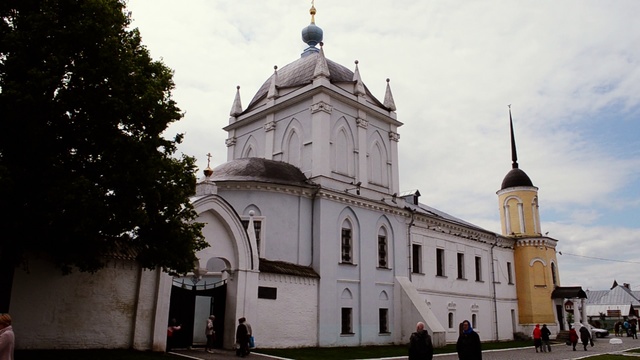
<point x="516" y="177"/>
<point x="286" y="268"/>
<point x="313" y="64"/>
<point x="259" y="169"/>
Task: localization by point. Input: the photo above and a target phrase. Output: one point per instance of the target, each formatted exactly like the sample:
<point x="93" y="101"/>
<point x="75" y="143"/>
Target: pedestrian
<point x="172" y="333"/>
<point x="573" y="338"/>
<point x="242" y="338"/>
<point x="545" y="333"/>
<point x="252" y="342"/>
<point x="7" y="338"/>
<point x="420" y="346"/>
<point x="626" y="327"/>
<point x="468" y="345"/>
<point x="211" y="334"/>
<point x="585" y="337"/>
<point x="537" y="338"/>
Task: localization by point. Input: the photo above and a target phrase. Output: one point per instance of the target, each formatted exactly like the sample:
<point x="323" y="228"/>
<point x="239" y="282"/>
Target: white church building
<point x="313" y="240"/>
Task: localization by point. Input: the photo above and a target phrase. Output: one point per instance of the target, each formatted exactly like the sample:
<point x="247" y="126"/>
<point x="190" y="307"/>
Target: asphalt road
<point x="558" y="352"/>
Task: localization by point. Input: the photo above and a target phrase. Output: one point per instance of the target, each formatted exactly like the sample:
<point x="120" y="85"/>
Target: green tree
<point x="85" y="171"/>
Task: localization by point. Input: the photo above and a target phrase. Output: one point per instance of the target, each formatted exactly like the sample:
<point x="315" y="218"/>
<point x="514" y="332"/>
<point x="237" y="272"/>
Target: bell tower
<point x="535" y="261"/>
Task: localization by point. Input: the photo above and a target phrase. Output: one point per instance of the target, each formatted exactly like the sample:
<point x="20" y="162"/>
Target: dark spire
<point x="514" y="154"/>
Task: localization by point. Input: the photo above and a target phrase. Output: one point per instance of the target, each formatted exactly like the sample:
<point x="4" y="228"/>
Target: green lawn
<point x="345" y="353"/>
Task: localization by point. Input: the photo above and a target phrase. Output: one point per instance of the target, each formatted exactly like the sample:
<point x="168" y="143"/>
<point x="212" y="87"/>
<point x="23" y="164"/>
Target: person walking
<point x="242" y="338"/>
<point x="468" y="345"/>
<point x="573" y="338"/>
<point x="537" y="338"/>
<point x="7" y="338"/>
<point x="211" y="334"/>
<point x="420" y="346"/>
<point x="545" y="333"/>
<point x="585" y="337"/>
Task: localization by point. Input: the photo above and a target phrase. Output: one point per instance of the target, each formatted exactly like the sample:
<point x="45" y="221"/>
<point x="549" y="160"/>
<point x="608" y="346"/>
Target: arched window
<point x="382" y="248"/>
<point x="553" y="274"/>
<point x="346" y="243"/>
<point x="450" y="320"/>
<point x="474" y="323"/>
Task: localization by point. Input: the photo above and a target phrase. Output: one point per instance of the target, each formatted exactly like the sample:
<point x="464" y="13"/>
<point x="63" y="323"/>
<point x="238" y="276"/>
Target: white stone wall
<point x="290" y="320"/>
<point x="82" y="311"/>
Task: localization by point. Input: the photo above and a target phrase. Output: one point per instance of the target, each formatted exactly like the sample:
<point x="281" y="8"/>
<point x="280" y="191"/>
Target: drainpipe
<point x="409" y="250"/>
<point x="493" y="289"/>
<point x="313" y="206"/>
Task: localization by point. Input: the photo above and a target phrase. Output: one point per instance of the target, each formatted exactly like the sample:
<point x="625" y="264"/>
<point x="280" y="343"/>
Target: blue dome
<point x="312" y="35"/>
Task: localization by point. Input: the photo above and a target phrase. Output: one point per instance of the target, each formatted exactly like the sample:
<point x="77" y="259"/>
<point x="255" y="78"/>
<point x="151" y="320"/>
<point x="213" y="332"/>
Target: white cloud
<point x="454" y="68"/>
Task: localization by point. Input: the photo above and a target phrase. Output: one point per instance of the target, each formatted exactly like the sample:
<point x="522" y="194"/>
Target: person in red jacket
<point x="573" y="338"/>
<point x="537" y="338"/>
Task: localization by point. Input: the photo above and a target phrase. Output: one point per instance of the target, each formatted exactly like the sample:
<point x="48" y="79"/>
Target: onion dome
<point x="312" y="34"/>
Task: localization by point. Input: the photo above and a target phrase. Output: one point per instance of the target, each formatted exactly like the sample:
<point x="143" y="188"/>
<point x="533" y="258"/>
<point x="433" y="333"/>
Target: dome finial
<point x="312" y="11"/>
<point x="312" y="34"/>
<point x="208" y="171"/>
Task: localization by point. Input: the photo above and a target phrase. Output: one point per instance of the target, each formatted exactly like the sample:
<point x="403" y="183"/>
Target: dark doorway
<point x="182" y="308"/>
<point x="559" y="309"/>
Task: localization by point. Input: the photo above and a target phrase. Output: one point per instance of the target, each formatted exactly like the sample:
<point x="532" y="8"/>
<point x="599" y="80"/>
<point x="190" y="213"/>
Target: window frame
<point x="440" y="262"/>
<point x="478" y="266"/>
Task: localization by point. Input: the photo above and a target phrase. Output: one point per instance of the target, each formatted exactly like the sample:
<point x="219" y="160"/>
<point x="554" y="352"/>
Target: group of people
<point x="468" y="344"/>
<point x="244" y="338"/>
<point x="541" y="338"/>
<point x="627" y="327"/>
<point x="584" y="337"/>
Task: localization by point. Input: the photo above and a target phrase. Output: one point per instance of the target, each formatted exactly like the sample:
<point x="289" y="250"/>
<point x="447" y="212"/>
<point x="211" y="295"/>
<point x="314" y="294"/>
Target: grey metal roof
<point x="259" y="169"/>
<point x="300" y="73"/>
<point x="618" y="295"/>
<point x="286" y="268"/>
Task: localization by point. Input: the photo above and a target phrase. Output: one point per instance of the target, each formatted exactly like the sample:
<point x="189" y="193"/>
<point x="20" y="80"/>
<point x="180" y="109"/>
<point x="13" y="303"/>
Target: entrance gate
<point x="191" y="306"/>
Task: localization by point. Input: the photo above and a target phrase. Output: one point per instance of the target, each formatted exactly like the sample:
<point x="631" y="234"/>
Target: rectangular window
<point x="416" y="258"/>
<point x="346" y="246"/>
<point x="267" y="292"/>
<point x="382" y="251"/>
<point x="439" y="262"/>
<point x="478" y="268"/>
<point x="509" y="275"/>
<point x="346" y="321"/>
<point x="383" y="319"/>
<point x="460" y="266"/>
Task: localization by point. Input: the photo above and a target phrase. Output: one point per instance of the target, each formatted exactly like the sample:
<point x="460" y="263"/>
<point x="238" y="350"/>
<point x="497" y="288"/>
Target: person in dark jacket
<point x="242" y="338"/>
<point x="468" y="345"/>
<point x="584" y="336"/>
<point x="420" y="346"/>
<point x="544" y="334"/>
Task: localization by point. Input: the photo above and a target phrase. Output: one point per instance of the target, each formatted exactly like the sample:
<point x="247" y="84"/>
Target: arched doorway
<point x="191" y="305"/>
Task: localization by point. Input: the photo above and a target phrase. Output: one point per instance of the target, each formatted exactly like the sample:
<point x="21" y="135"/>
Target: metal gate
<point x="183" y="308"/>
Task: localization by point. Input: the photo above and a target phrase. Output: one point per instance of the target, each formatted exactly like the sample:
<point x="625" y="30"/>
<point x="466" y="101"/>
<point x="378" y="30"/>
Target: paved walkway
<point x="558" y="352"/>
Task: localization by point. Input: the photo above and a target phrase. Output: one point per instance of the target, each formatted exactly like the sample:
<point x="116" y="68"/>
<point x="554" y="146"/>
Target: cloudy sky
<point x="570" y="70"/>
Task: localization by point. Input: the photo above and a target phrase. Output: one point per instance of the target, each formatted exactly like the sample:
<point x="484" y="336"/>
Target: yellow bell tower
<point x="535" y="262"/>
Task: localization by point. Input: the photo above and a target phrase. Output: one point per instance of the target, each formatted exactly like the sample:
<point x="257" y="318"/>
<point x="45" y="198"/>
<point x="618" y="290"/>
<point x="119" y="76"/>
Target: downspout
<point x="313" y="206"/>
<point x="493" y="288"/>
<point x="409" y="249"/>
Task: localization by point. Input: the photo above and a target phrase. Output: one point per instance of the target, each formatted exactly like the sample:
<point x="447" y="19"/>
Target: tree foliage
<point x="85" y="171"/>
